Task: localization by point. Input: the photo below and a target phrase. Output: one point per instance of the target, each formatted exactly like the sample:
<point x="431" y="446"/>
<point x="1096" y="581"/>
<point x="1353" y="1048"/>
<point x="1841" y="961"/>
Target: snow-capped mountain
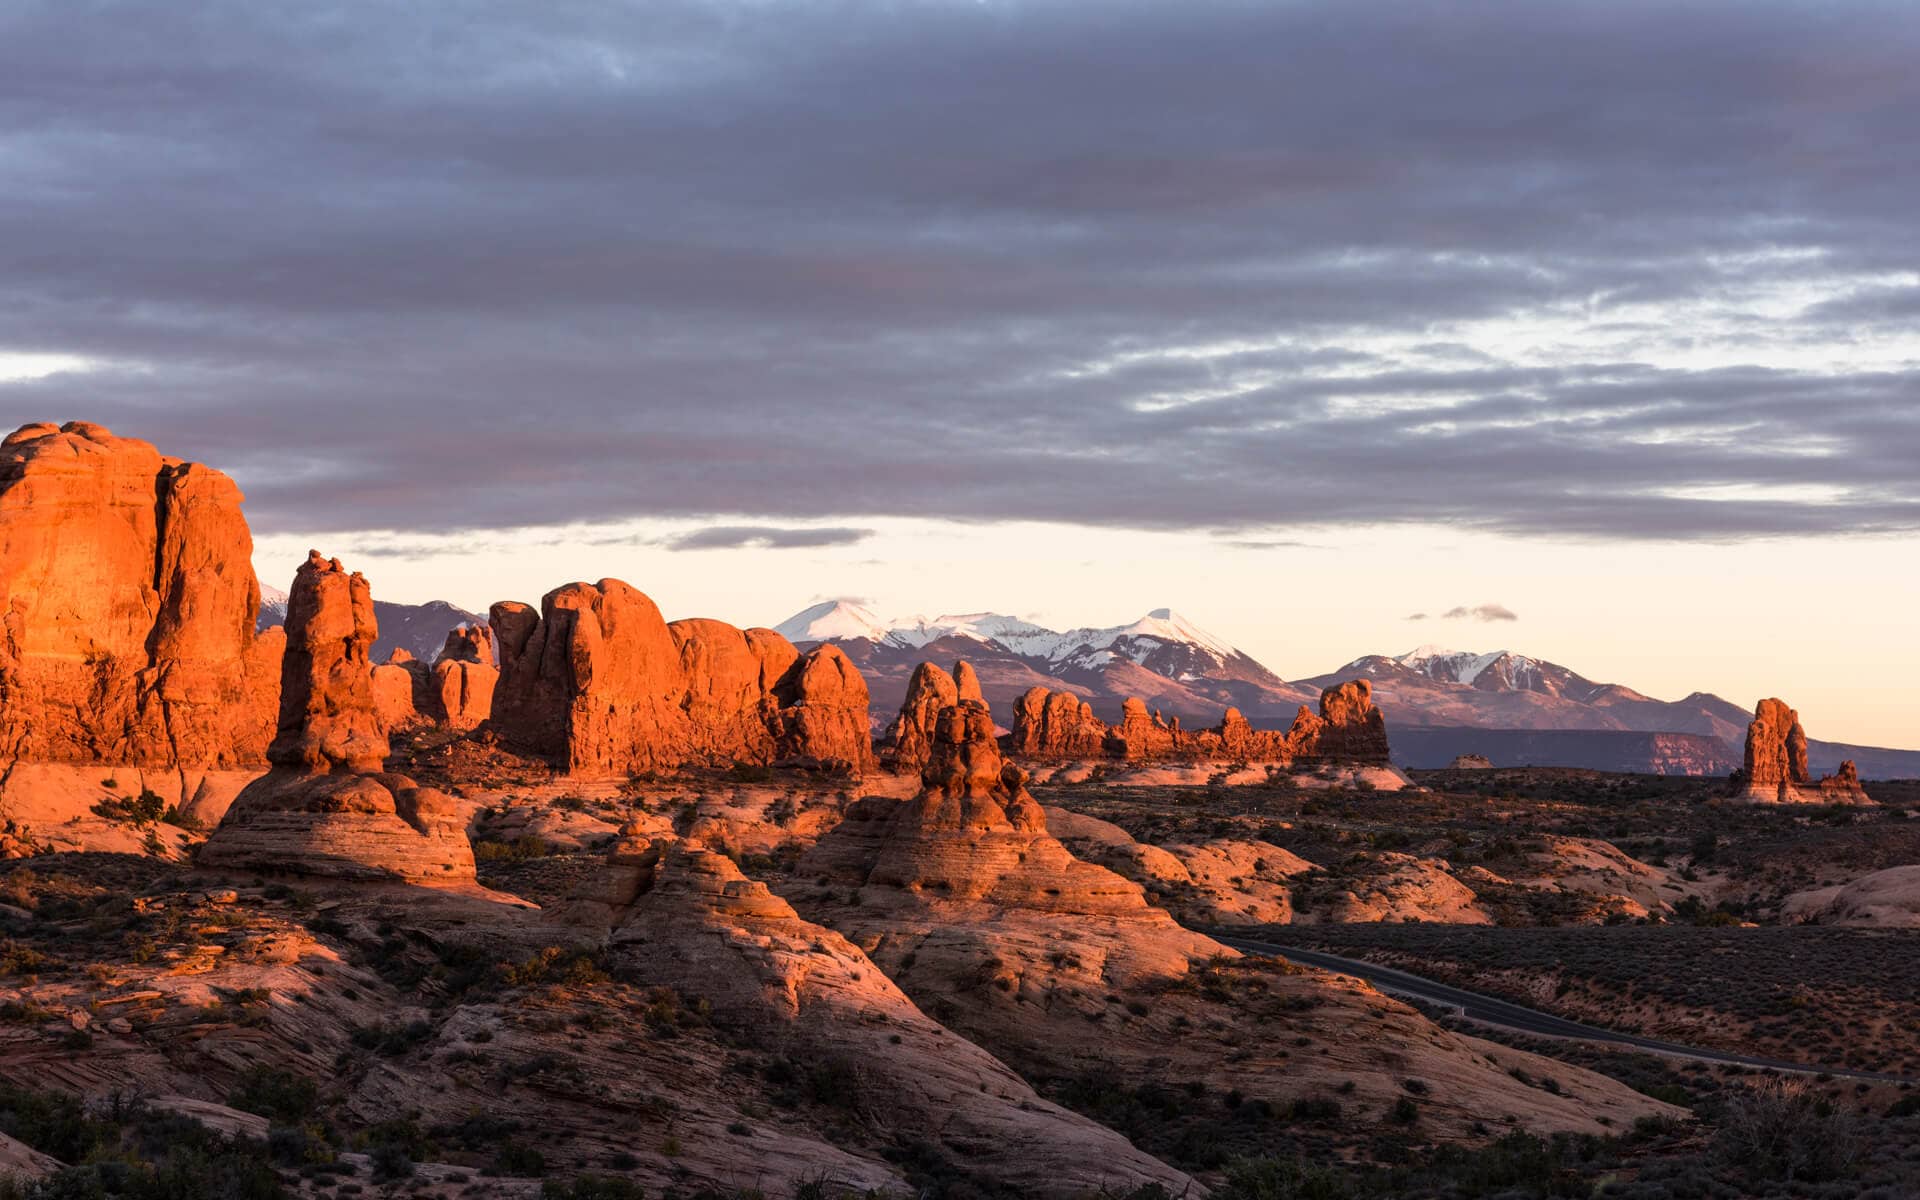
<point x="1163" y="658"/>
<point x="273" y="607"/>
<point x="1436" y="686"/>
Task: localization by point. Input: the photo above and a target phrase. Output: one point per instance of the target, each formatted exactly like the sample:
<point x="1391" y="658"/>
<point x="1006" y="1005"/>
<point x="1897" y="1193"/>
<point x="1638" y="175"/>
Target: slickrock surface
<point x="1775" y="769"/>
<point x="600" y="685"/>
<point x="714" y="933"/>
<point x="1059" y="966"/>
<point x="1052" y="726"/>
<point x="1223" y="881"/>
<point x="127" y="621"/>
<point x="1889" y="899"/>
<point x="327" y="807"/>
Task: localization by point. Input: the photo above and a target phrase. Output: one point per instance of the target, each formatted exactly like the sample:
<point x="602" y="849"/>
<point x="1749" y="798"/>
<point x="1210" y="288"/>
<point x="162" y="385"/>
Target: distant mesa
<point x="1775" y="770"/>
<point x="328" y="807"/>
<point x="1471" y="762"/>
<point x="598" y="683"/>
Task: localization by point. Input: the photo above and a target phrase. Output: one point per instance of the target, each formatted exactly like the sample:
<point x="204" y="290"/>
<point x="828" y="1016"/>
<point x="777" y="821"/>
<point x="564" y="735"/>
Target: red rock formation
<point x="910" y="737"/>
<point x="595" y="684"/>
<point x="327" y="807"/>
<point x="394" y="694"/>
<point x="1056" y="725"/>
<point x="468" y="643"/>
<point x="1776" y="756"/>
<point x="821" y="716"/>
<point x="601" y="685"/>
<point x="328" y="720"/>
<point x="1349" y="728"/>
<point x="128" y="605"/>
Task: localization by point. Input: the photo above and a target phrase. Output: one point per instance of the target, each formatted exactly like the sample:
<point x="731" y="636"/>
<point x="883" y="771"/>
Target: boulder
<point x="127" y="607"/>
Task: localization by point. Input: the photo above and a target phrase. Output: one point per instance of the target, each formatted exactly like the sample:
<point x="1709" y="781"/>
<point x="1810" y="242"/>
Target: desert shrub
<point x="1782" y="1131"/>
<point x="1284" y="1179"/>
<point x="145" y="809"/>
<point x="275" y="1093"/>
<point x="526" y="846"/>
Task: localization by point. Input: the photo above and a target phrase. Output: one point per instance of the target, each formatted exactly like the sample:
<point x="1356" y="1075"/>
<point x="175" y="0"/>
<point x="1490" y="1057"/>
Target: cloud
<point x="765" y="537"/>
<point x="1220" y="268"/>
<point x="1416" y="616"/>
<point x="1480" y="612"/>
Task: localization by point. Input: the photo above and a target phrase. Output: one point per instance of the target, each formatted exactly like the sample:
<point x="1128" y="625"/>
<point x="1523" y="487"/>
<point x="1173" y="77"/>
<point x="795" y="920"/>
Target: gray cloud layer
<point x="766" y="537"/>
<point x="401" y="267"/>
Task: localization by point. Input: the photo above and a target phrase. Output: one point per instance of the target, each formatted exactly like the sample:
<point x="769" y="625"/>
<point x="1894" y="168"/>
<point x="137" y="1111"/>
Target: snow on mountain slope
<point x="1161" y="657"/>
<point x="832" y="621"/>
<point x="273" y="607"/>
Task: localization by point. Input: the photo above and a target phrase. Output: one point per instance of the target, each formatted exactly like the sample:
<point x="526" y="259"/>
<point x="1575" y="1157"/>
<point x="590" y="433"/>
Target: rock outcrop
<point x="1050" y="725"/>
<point x="820" y="716"/>
<point x="1053" y="726"/>
<point x="127" y="619"/>
<point x="464" y="677"/>
<point x="328" y="807"/>
<point x="696" y="924"/>
<point x="599" y="684"/>
<point x="930" y="690"/>
<point x="971" y="905"/>
<point x="1775" y="768"/>
<point x="399" y="689"/>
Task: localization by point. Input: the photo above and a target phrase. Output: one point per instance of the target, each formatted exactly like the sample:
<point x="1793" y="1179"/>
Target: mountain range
<point x="1510" y="707"/>
<point x="1439" y="703"/>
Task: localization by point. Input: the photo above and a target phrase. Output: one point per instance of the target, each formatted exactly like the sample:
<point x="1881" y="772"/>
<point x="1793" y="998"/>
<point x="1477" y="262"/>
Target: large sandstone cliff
<point x="127" y="621"/>
<point x="600" y="684"/>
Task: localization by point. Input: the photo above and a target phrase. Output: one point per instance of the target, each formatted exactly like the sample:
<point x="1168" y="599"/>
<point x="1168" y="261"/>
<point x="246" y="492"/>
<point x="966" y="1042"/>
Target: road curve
<point x="1507" y="1015"/>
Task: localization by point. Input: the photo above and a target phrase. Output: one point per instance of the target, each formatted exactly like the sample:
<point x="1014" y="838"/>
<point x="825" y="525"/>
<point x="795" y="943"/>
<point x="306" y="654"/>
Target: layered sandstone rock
<point x="701" y="927"/>
<point x="1058" y="726"/>
<point x="1050" y="725"/>
<point x="970" y="905"/>
<point x="328" y="807"/>
<point x="931" y="690"/>
<point x="820" y="718"/>
<point x="1775" y="768"/>
<point x="127" y="619"/>
<point x="399" y="689"/>
<point x="600" y="684"/>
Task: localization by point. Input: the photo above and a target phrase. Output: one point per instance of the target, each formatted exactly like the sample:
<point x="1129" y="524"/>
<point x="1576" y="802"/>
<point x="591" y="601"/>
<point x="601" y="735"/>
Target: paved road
<point x="1508" y="1015"/>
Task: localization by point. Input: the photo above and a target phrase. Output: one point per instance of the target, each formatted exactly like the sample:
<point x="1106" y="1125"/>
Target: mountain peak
<point x="832" y="620"/>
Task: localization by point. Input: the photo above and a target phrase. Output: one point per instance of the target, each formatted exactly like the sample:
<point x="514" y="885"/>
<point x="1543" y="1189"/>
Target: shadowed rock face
<point x="1052" y="726"/>
<point x="599" y="684"/>
<point x="127" y="619"/>
<point x="1776" y="763"/>
<point x="328" y="807"/>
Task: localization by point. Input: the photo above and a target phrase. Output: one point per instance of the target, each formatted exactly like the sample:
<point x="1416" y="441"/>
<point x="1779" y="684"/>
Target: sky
<point x="1596" y="322"/>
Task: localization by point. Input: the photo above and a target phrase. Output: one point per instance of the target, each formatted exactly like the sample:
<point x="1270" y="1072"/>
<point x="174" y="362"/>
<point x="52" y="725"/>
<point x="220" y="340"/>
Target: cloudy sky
<point x="1302" y="318"/>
